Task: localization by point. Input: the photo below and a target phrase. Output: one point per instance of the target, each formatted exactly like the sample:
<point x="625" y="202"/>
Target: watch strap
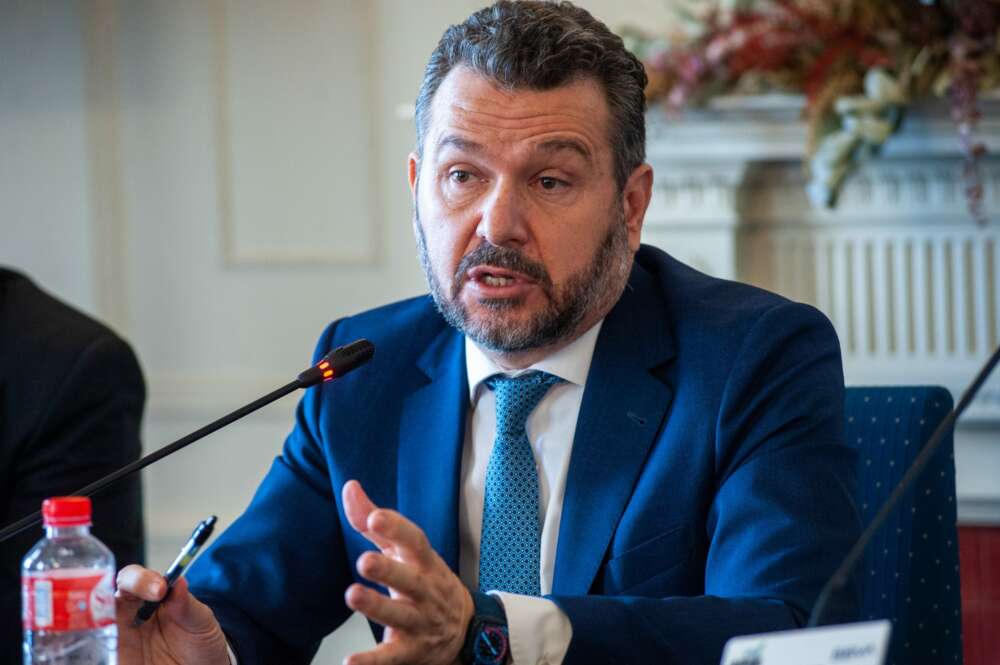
<point x="488" y="620"/>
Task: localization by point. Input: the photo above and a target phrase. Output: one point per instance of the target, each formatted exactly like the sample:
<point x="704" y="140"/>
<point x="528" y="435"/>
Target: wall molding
<point x="206" y="397"/>
<point x="315" y="252"/>
<point x="738" y="129"/>
<point x="978" y="511"/>
<point x="772" y="193"/>
<point x="110" y="239"/>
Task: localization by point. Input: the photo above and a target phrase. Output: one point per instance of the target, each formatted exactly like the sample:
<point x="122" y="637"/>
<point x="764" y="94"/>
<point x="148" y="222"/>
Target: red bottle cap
<point x="66" y="511"/>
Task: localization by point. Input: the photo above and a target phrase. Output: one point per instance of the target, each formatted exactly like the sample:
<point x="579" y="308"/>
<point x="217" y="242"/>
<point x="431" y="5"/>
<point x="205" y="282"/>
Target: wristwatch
<point x="486" y="641"/>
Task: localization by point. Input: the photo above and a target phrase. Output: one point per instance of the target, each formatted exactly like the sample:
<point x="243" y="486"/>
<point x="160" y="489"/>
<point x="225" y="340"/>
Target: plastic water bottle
<point x="67" y="591"/>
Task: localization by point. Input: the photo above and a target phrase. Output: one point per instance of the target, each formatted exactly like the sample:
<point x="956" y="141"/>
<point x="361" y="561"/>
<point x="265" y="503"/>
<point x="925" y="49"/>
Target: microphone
<point x="839" y="578"/>
<point x="338" y="362"/>
<point x="333" y="365"/>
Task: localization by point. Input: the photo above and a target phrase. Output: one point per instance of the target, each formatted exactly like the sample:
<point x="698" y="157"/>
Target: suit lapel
<point x="432" y="430"/>
<point x="623" y="408"/>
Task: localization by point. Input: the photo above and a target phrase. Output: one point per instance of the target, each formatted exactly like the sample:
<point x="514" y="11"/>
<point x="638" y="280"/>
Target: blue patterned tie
<point x="509" y="549"/>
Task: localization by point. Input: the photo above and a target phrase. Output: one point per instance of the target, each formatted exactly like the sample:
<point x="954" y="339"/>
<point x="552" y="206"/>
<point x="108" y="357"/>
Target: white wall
<point x="45" y="212"/>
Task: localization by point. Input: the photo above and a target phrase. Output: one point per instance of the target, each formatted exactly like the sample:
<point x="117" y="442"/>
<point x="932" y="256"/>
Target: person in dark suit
<point x="575" y="450"/>
<point x="71" y="400"/>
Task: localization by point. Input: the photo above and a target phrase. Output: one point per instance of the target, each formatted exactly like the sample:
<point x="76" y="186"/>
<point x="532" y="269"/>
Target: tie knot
<point x="517" y="397"/>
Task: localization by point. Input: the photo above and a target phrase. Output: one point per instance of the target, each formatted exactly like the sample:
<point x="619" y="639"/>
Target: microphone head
<point x="338" y="362"/>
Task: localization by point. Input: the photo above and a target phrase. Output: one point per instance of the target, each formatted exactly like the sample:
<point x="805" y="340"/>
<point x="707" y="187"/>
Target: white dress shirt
<point x="539" y="631"/>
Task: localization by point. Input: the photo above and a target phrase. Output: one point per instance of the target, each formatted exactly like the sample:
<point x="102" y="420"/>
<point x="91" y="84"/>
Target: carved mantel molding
<point x="714" y="166"/>
<point x="772" y="128"/>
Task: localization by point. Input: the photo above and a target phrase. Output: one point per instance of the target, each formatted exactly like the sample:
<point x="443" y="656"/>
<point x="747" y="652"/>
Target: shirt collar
<point x="570" y="363"/>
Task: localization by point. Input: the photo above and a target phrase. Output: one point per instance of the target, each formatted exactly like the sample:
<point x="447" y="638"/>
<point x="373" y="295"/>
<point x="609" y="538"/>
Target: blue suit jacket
<point x="709" y="488"/>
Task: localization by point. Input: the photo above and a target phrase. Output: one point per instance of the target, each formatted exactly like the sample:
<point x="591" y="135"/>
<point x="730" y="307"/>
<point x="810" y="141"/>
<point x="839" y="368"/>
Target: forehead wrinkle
<point x="528" y="121"/>
<point x="483" y="117"/>
<point x="510" y="115"/>
<point x="545" y="135"/>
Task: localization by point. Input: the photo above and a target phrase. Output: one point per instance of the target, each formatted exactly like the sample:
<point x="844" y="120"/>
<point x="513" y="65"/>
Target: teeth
<point x="497" y="281"/>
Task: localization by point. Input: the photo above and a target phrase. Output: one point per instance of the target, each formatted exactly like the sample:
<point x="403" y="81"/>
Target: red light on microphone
<point x="324" y="366"/>
<point x="337" y="363"/>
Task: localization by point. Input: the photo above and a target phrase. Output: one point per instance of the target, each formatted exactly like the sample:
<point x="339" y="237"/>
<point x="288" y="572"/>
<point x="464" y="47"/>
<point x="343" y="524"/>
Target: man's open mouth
<point x="497" y="281"/>
<point x="492" y="276"/>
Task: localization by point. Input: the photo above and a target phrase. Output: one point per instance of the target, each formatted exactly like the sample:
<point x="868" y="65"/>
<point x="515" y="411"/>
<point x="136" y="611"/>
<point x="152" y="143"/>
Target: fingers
<point x="137" y="584"/>
<point x="383" y="527"/>
<point x="390" y="573"/>
<point x="357" y="505"/>
<point x="404" y="535"/>
<point x="188" y="612"/>
<point x="381" y="609"/>
<point x="429" y="608"/>
<point x="387" y="653"/>
<point x="141" y="583"/>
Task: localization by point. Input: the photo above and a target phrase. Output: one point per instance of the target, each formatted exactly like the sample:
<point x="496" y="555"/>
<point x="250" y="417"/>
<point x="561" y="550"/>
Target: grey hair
<point x="541" y="46"/>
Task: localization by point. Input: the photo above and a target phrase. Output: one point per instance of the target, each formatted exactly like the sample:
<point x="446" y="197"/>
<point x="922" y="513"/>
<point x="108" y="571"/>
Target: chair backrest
<point x="910" y="569"/>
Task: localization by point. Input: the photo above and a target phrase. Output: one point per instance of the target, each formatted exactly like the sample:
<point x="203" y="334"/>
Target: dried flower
<point x="859" y="63"/>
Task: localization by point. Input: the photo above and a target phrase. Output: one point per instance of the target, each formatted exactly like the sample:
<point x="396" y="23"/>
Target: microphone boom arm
<point x="335" y="364"/>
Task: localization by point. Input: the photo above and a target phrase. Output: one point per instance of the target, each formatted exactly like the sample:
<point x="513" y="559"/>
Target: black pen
<point x="177" y="568"/>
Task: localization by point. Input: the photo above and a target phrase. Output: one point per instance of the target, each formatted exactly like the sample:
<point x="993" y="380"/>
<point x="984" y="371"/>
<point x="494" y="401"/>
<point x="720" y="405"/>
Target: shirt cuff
<point x="538" y="631"/>
<point x="232" y="656"/>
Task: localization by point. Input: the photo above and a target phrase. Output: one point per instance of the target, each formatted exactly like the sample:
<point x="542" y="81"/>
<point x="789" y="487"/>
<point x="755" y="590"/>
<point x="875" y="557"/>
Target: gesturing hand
<point x="428" y="609"/>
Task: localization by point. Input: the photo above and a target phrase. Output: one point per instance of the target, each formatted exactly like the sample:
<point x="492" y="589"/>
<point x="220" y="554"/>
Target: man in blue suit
<point x="577" y="450"/>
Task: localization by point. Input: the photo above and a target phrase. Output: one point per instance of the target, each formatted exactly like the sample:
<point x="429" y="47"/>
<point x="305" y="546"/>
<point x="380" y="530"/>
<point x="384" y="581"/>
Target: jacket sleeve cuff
<point x="539" y="632"/>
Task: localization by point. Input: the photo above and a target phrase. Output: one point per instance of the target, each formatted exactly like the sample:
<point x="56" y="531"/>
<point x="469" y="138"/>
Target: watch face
<point x="491" y="646"/>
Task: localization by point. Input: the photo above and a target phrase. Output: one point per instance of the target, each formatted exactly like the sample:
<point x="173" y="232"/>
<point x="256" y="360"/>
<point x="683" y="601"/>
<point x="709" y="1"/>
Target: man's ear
<point x="635" y="200"/>
<point x="412" y="167"/>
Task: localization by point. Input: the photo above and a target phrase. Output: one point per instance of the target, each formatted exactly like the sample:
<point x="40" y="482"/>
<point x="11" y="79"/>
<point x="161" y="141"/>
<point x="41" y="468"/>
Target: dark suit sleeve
<point x="276" y="578"/>
<point x="781" y="520"/>
<point x="89" y="428"/>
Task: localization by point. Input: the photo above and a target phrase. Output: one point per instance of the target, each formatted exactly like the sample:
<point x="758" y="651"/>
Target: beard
<point x="595" y="288"/>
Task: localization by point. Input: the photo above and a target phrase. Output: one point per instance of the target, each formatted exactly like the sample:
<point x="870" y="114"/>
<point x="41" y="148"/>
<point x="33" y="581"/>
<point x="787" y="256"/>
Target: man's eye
<point x="461" y="177"/>
<point x="550" y="183"/>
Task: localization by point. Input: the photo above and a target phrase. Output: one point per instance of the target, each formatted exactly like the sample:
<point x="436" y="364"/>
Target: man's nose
<point x="503" y="221"/>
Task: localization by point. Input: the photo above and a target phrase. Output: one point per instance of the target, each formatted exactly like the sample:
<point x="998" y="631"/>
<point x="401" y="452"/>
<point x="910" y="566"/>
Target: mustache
<point x="501" y="257"/>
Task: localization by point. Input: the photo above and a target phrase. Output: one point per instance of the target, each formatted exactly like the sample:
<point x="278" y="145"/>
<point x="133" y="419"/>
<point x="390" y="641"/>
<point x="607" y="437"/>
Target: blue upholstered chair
<point x="910" y="570"/>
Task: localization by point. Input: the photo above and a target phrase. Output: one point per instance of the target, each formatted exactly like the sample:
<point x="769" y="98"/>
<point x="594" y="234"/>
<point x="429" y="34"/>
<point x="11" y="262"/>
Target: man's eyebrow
<point x="552" y="145"/>
<point x="557" y="145"/>
<point x="451" y="140"/>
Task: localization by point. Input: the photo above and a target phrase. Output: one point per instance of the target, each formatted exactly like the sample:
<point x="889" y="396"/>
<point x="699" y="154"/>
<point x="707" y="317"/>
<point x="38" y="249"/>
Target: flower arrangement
<point x="859" y="63"/>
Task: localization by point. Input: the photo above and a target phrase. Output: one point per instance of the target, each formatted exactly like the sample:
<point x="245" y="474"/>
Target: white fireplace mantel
<point x="772" y="128"/>
<point x="910" y="281"/>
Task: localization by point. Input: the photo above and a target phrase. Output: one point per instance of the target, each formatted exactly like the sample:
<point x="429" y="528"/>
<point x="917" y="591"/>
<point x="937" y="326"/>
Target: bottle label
<point x="59" y="600"/>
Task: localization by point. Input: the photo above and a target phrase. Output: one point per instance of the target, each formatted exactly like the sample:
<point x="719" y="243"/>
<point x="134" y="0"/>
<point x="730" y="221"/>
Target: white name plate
<point x="847" y="644"/>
